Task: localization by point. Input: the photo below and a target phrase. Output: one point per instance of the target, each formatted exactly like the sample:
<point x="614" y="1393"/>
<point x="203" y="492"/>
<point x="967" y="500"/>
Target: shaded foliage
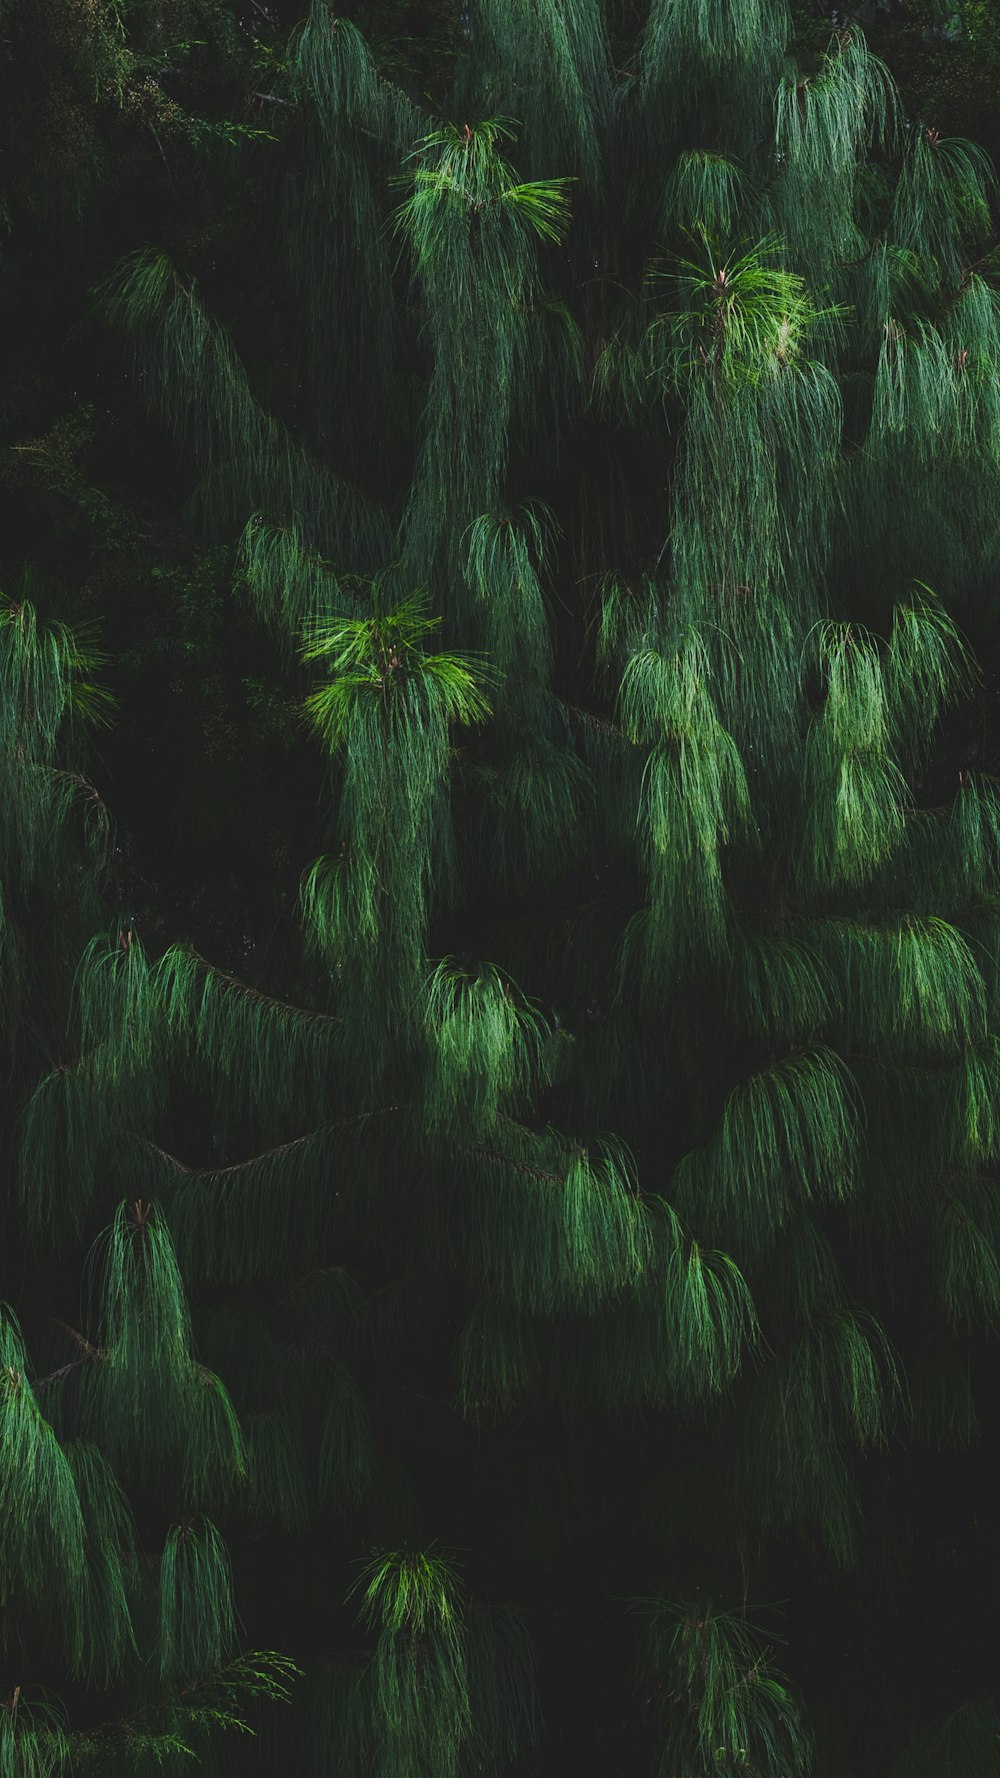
<point x="498" y="889"/>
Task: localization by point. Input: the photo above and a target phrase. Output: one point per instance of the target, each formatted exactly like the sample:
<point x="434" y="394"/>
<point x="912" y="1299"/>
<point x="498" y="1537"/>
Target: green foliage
<point x="357" y="123"/>
<point x="196" y="1625"/>
<point x="787" y="1136"/>
<point x="419" y="1682"/>
<point x="45" y="683"/>
<point x="710" y="1320"/>
<point x="291" y="586"/>
<point x="255" y="1042"/>
<point x="942" y="199"/>
<point x="877" y="711"/>
<point x="505" y="556"/>
<point x="410" y="1592"/>
<point x="694" y="789"/>
<point x="841" y="1365"/>
<point x="347" y="1451"/>
<point x="497" y="1359"/>
<point x="245" y="456"/>
<point x="967" y="1249"/>
<point x="835" y="1379"/>
<point x="695" y="63"/>
<point x="486" y="1047"/>
<point x="966" y="1742"/>
<point x="912" y="990"/>
<point x="941" y="1397"/>
<point x="44" y="1543"/>
<point x="260" y="1217"/>
<point x="703" y="195"/>
<point x="472" y="228"/>
<point x="856" y="796"/>
<point x="276" y="1474"/>
<point x="825" y="122"/>
<point x="778" y="984"/>
<point x="546" y="470"/>
<point x="146" y="1394"/>
<point x="501" y="1667"/>
<point x="183" y="1726"/>
<point x="451" y="1680"/>
<point x="103" y="1637"/>
<point x="116" y="1008"/>
<point x="33" y="1740"/>
<point x="744" y="319"/>
<point x="737" y="1711"/>
<point x="373" y="662"/>
<point x="70" y="1113"/>
<point x="547" y="64"/>
<point x="556" y="1226"/>
<point x="387" y="707"/>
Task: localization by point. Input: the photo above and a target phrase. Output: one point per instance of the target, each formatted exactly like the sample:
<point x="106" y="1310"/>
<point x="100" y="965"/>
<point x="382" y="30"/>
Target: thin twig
<point x="507" y="1160"/>
<point x="89" y="1354"/>
<point x="270" y="1154"/>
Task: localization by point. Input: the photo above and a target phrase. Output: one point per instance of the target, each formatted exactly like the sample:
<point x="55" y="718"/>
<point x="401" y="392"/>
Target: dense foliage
<point x="499" y="948"/>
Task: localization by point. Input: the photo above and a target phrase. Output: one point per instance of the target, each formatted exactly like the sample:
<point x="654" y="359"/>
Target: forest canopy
<point x="499" y="888"/>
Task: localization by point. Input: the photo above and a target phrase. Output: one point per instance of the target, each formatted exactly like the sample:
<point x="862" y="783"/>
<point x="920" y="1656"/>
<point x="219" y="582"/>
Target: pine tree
<point x="536" y="1311"/>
